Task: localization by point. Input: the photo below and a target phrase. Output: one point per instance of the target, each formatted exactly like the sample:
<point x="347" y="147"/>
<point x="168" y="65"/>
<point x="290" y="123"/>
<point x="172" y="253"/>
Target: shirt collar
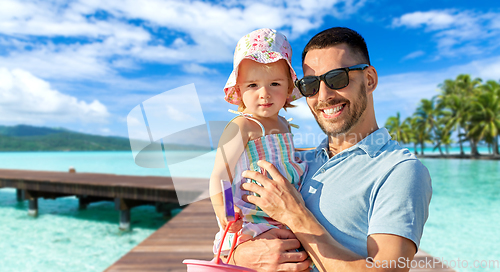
<point x="371" y="144"/>
<point x="322" y="147"/>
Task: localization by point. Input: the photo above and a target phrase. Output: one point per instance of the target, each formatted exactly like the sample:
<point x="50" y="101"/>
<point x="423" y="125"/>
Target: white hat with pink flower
<point x="264" y="46"/>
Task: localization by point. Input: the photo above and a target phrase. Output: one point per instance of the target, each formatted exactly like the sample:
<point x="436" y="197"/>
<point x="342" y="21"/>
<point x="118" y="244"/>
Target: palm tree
<point x="412" y="123"/>
<point x="447" y="141"/>
<point x="422" y="135"/>
<point x="464" y="106"/>
<point x="452" y="100"/>
<point x="467" y="90"/>
<point x="399" y="131"/>
<point x="485" y="116"/>
<point x="426" y="114"/>
<point x="442" y="136"/>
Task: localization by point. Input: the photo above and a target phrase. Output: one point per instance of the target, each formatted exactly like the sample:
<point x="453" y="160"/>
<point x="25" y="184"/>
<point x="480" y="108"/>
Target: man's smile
<point x="333" y="111"/>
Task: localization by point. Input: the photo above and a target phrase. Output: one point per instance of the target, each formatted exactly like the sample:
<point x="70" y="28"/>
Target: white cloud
<point x="193" y="68"/>
<point x="124" y="63"/>
<point x="176" y="114"/>
<point x="25" y="98"/>
<point x="457" y="33"/>
<point x="87" y="43"/>
<point x="203" y="32"/>
<point x="105" y="131"/>
<point x="432" y="19"/>
<point x="61" y="61"/>
<point x="414" y="55"/>
<point x="61" y="19"/>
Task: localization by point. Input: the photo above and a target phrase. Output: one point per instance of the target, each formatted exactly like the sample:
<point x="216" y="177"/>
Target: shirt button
<point x="323" y="170"/>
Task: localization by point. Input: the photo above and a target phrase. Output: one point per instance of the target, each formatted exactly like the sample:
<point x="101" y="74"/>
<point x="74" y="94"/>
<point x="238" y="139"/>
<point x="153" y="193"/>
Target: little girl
<point x="261" y="84"/>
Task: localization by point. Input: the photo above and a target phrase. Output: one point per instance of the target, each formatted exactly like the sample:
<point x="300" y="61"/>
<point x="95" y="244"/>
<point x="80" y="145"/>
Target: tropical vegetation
<point x="465" y="111"/>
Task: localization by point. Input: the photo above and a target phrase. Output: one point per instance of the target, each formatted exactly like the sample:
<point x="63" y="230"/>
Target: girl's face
<point x="263" y="87"/>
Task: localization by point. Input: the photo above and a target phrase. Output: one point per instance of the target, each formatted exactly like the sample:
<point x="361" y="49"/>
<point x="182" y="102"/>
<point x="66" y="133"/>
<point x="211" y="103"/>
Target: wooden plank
<point x="154" y="182"/>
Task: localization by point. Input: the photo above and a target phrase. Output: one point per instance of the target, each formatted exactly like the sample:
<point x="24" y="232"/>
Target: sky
<point x="85" y="65"/>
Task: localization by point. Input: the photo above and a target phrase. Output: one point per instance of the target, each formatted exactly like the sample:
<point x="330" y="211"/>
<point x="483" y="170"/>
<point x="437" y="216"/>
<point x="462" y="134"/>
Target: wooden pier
<point x="126" y="191"/>
<point x="189" y="235"/>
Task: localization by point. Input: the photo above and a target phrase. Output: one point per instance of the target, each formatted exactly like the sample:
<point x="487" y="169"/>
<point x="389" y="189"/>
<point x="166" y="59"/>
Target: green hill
<point x="31" y="138"/>
<point x="24" y="130"/>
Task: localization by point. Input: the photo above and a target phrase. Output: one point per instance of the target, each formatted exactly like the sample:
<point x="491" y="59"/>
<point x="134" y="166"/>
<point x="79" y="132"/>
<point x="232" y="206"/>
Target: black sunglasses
<point x="335" y="79"/>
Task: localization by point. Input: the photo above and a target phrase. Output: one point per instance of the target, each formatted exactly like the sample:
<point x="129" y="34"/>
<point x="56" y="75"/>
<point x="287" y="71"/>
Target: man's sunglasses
<point x="335" y="79"/>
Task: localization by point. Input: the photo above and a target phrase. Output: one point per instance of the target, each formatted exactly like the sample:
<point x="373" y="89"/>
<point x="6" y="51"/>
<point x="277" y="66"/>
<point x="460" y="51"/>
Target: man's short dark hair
<point x="335" y="36"/>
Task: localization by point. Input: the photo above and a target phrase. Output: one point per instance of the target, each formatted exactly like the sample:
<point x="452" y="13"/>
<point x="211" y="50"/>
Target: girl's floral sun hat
<point x="264" y="46"/>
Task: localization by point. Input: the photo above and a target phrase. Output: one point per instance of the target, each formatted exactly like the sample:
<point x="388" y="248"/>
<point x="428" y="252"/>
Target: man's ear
<point x="371" y="79"/>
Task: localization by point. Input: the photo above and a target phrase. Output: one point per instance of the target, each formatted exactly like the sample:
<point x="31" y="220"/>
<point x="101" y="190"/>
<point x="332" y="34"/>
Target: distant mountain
<point x="24" y="130"/>
<point x="31" y="138"/>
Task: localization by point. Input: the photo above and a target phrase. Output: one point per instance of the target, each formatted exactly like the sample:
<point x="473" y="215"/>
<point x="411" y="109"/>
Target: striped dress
<point x="277" y="149"/>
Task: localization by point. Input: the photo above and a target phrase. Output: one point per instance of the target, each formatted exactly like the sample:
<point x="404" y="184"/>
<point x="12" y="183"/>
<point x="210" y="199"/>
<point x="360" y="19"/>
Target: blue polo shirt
<point x="375" y="186"/>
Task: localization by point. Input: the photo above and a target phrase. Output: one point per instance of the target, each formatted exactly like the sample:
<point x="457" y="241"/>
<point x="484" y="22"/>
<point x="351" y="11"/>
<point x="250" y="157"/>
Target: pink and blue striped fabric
<point x="277" y="149"/>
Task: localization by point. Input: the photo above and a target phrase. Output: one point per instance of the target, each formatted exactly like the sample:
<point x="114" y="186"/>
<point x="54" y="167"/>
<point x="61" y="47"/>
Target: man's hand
<point x="277" y="196"/>
<point x="273" y="250"/>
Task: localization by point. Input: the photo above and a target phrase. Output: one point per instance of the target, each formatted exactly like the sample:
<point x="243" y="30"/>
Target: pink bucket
<point x="209" y="266"/>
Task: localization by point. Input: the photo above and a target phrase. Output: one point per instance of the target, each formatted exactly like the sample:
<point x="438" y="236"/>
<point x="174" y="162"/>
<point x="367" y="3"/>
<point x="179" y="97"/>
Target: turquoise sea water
<point x="120" y="162"/>
<point x="464" y="215"/>
<point x="451" y="150"/>
<point x="64" y="238"/>
<point x="463" y="222"/>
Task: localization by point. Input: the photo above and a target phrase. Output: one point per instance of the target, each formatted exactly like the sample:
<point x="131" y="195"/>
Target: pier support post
<point x="125" y="220"/>
<point x="121" y="204"/>
<point x="32" y="198"/>
<point x="124" y="206"/>
<point x="20" y="195"/>
<point x="83" y="202"/>
<point x="33" y="207"/>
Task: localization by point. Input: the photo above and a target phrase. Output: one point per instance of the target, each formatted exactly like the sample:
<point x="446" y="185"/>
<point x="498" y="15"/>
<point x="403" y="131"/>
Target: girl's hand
<point x="222" y="222"/>
<point x="238" y="224"/>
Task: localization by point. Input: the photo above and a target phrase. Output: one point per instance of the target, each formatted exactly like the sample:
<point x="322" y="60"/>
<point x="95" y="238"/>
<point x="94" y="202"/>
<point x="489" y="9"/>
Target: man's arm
<point x="399" y="248"/>
<point x="283" y="203"/>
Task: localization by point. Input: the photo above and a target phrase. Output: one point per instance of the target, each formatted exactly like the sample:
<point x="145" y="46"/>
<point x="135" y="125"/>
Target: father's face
<point x="336" y="111"/>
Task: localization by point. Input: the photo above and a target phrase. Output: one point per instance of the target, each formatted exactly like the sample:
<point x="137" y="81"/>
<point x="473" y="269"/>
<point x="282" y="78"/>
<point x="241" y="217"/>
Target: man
<point x="365" y="199"/>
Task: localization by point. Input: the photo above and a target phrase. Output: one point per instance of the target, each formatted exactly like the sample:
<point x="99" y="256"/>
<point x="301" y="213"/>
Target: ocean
<point x="462" y="226"/>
